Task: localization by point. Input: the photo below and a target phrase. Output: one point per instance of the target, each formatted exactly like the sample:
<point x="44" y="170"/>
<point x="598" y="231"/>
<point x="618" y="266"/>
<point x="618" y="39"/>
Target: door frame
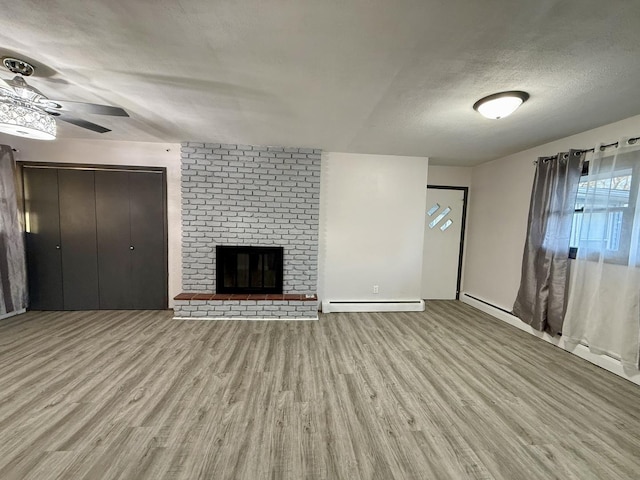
<point x="20" y="165"/>
<point x="465" y="191"/>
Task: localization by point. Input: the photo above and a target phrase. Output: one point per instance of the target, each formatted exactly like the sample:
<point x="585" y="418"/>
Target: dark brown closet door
<point x="113" y="229"/>
<point x="42" y="219"/>
<point x="148" y="260"/>
<point x="78" y="239"/>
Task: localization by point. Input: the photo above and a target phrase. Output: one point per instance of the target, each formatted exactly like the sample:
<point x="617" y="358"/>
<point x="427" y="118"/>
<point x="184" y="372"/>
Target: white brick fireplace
<point x="243" y="195"/>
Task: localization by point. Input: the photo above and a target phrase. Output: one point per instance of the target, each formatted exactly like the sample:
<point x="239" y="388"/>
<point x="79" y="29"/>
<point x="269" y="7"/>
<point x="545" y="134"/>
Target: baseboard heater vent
<point x="490" y="304"/>
<point x="329" y="306"/>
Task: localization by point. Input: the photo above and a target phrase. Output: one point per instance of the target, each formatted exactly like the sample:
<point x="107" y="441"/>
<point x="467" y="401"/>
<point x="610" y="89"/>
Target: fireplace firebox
<point x="241" y="269"/>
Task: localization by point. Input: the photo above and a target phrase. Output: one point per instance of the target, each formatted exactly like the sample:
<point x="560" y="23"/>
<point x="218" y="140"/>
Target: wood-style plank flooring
<point x="446" y="394"/>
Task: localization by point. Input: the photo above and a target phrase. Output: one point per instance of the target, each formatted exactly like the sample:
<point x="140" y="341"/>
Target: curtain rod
<point x="630" y="141"/>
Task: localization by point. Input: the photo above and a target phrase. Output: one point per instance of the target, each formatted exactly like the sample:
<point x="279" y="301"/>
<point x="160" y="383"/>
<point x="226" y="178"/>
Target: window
<point x="609" y="200"/>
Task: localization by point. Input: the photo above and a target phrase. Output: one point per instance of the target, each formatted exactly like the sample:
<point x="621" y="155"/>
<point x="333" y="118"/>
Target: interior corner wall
<point x="371" y="227"/>
<point x="111" y="152"/>
<point x="497" y="216"/>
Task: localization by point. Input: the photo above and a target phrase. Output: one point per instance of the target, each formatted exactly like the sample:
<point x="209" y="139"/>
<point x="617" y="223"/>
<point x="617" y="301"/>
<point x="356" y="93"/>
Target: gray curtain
<point x="541" y="300"/>
<point x="13" y="277"/>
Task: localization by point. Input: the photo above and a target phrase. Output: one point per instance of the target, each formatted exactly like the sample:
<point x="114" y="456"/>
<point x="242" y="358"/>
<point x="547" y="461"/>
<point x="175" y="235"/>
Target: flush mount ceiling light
<point x="500" y="105"/>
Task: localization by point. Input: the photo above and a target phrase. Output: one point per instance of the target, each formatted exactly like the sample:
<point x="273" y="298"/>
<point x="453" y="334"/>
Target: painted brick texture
<point x="246" y="309"/>
<point x="249" y="195"/>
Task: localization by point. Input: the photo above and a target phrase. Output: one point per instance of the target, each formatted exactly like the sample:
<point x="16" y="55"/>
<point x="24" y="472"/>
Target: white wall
<point x="371" y="226"/>
<point x="497" y="220"/>
<point x="450" y="176"/>
<point x="107" y="152"/>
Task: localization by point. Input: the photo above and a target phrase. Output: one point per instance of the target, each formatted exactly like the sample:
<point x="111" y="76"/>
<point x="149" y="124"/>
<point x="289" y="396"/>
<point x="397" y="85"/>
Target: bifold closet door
<point x="76" y="195"/>
<point x="113" y="231"/>
<point x="42" y="218"/>
<point x="96" y="239"/>
<point x="148" y="262"/>
<point x="131" y="240"/>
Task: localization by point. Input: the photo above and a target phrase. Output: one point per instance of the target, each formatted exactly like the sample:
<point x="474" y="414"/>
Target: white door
<point x="442" y="243"/>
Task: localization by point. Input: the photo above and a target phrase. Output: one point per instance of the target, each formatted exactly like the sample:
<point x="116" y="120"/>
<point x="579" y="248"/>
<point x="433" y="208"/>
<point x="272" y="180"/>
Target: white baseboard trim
<point x="329" y="306"/>
<point x="13" y="314"/>
<point x="249" y="319"/>
<point x="608" y="363"/>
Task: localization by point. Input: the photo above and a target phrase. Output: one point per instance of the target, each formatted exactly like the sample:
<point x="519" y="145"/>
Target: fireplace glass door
<point x="248" y="269"/>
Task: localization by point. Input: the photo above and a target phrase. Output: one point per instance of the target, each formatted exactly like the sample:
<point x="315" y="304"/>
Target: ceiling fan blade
<point x="82" y="107"/>
<point x="83" y="123"/>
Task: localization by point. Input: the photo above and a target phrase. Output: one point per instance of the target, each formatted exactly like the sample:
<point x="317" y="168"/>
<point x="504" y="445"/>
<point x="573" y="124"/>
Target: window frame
<point x="620" y="256"/>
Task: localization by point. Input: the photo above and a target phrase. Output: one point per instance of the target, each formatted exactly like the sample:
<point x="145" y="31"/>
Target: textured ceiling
<point x="377" y="76"/>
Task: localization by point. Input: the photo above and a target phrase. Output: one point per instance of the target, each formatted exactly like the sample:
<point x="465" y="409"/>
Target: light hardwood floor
<point x="446" y="394"/>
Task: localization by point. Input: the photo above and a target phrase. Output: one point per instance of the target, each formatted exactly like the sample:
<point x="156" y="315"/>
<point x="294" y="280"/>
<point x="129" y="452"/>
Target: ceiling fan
<point x="27" y="112"/>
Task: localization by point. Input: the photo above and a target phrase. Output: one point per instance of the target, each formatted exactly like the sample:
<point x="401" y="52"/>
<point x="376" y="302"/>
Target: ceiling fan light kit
<point x="500" y="105"/>
<point x="26" y="121"/>
<point x="27" y="112"/>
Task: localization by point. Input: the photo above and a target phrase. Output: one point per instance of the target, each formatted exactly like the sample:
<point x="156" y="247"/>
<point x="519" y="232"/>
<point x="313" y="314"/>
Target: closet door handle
<point x="57" y="247"/>
<point x="131" y="247"/>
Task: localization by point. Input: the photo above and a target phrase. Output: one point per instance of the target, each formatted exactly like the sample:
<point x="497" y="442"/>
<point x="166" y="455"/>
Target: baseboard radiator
<point x="608" y="363"/>
<point x="329" y="306"/>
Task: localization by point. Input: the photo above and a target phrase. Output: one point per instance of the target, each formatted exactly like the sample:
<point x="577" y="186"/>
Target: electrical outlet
<point x="375" y="289"/>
